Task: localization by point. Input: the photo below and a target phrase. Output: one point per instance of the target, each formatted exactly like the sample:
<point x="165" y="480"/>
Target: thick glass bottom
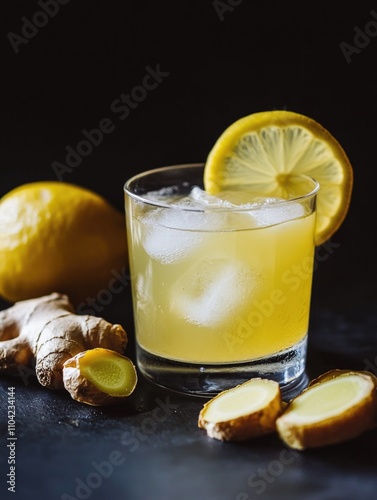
<point x="285" y="367"/>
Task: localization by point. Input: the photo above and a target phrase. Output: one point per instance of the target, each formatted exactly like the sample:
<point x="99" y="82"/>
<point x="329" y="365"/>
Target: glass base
<point x="286" y="367"/>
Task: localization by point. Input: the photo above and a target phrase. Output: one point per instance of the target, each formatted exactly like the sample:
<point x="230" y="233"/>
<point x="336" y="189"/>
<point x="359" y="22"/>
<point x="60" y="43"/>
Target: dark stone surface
<point x="150" y="446"/>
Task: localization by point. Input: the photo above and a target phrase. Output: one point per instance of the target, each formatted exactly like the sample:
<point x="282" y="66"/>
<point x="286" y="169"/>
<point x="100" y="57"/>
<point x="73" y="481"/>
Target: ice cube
<point x="172" y="234"/>
<point x="211" y="291"/>
<point x="224" y="212"/>
<point x="143" y="287"/>
<point x="234" y="199"/>
<point x="270" y="214"/>
<point x="167" y="195"/>
<point x="261" y="211"/>
<point x="202" y="198"/>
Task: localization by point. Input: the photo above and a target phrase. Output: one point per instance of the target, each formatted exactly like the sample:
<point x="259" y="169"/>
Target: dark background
<point x="221" y="65"/>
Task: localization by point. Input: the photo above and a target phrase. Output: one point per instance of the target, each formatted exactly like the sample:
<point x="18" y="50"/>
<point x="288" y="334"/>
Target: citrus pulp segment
<point x="264" y="153"/>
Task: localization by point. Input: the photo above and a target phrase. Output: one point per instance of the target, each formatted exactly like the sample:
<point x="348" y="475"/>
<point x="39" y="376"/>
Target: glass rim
<point x="205" y="208"/>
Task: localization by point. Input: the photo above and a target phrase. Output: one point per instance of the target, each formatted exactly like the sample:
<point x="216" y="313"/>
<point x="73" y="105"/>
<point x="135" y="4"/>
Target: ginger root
<point x="45" y="332"/>
<point x="246" y="411"/>
<point x="337" y="406"/>
<point x="99" y="377"/>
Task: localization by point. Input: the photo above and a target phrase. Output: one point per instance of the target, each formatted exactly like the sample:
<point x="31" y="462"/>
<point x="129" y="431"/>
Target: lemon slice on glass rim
<point x="263" y="153"/>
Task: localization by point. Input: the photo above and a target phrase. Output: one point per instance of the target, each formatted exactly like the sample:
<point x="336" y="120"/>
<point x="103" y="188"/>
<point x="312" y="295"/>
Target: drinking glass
<point x="221" y="287"/>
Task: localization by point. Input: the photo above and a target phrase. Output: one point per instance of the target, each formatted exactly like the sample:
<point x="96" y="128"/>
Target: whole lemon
<point x="58" y="237"/>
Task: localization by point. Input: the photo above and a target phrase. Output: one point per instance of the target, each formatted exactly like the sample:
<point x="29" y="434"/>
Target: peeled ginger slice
<point x="246" y="411"/>
<point x="337" y="406"/>
<point x="99" y="377"/>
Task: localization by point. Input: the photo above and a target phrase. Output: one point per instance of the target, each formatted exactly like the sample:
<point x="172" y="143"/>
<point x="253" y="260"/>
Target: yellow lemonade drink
<point x="219" y="286"/>
<point x="227" y="296"/>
